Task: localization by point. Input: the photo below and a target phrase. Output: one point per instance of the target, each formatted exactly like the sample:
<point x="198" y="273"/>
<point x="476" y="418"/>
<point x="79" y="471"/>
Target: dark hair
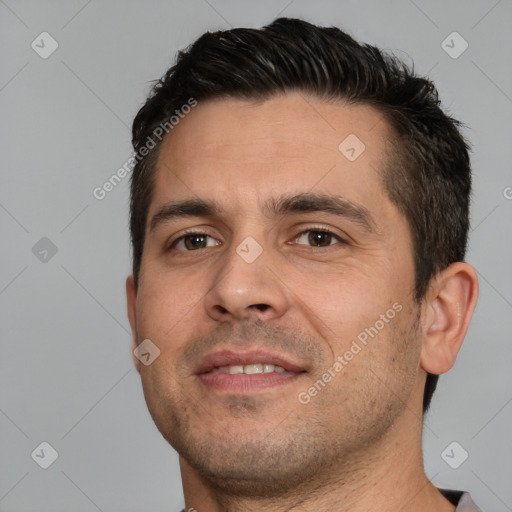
<point x="428" y="174"/>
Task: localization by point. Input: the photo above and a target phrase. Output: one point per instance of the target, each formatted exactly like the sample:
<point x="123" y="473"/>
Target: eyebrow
<point x="283" y="205"/>
<point x="185" y="208"/>
<point x="336" y="205"/>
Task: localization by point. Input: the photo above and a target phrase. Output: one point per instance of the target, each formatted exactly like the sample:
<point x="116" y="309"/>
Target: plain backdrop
<point x="66" y="373"/>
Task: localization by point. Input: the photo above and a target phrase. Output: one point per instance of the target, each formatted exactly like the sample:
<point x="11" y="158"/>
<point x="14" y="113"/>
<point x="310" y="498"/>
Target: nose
<point x="246" y="289"/>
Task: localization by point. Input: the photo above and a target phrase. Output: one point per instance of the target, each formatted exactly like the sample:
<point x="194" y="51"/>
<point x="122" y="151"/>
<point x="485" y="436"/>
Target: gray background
<point x="66" y="374"/>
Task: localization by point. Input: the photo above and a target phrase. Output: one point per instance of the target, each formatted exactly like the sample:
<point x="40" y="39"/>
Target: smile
<point x="251" y="369"/>
<point x="246" y="372"/>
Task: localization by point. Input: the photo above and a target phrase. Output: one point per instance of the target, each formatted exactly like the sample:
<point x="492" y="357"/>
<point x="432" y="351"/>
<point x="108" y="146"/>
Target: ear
<point x="450" y="302"/>
<point x="131" y="304"/>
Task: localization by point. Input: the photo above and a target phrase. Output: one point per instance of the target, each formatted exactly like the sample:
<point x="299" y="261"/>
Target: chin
<point x="247" y="465"/>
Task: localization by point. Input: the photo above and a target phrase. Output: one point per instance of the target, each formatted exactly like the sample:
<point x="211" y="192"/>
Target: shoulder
<point x="462" y="499"/>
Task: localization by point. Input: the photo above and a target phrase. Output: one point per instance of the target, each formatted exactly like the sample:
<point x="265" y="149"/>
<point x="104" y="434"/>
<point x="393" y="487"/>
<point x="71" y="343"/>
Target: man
<point x="299" y="217"/>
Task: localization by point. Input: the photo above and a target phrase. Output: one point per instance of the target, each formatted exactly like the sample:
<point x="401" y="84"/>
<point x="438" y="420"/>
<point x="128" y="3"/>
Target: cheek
<point x="342" y="303"/>
<point x="165" y="303"/>
<point x="364" y="321"/>
<point x="164" y="396"/>
<point x="380" y="359"/>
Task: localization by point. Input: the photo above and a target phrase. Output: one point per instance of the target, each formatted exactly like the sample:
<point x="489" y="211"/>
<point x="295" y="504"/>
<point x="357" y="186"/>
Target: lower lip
<point x="244" y="383"/>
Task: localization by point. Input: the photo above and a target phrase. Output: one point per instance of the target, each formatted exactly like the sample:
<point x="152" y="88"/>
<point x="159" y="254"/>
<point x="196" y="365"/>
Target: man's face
<point x="287" y="253"/>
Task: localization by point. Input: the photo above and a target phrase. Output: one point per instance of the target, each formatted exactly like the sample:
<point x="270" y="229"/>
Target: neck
<point x="386" y="476"/>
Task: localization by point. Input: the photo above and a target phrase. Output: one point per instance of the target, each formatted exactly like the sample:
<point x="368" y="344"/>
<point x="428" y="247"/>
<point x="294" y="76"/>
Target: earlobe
<point x="131" y="304"/>
<point x="450" y="303"/>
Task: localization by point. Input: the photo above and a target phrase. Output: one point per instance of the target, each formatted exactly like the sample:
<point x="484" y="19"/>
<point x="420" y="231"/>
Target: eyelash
<point x="318" y="229"/>
<point x="185" y="235"/>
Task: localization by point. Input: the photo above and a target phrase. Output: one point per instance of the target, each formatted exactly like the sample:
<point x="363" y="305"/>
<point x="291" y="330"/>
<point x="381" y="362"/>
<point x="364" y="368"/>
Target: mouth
<point x="247" y="372"/>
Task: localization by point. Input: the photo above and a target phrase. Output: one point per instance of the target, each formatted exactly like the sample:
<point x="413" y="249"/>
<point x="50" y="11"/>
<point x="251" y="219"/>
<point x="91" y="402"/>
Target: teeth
<point x="251" y="369"/>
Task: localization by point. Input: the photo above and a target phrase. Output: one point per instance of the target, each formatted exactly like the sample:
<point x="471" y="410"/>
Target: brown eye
<point x="193" y="242"/>
<point x="317" y="238"/>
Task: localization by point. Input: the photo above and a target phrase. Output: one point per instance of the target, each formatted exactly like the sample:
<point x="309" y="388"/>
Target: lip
<point x="228" y="357"/>
<point x="209" y="374"/>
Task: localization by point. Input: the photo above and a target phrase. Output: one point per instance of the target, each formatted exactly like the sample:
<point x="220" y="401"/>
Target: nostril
<point x="260" y="307"/>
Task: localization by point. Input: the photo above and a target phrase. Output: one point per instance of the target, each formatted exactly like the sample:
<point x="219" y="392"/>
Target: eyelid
<point x="343" y="237"/>
<point x="189" y="231"/>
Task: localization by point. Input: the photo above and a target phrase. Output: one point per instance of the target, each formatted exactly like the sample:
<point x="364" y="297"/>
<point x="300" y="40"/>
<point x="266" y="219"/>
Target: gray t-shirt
<point x="460" y="498"/>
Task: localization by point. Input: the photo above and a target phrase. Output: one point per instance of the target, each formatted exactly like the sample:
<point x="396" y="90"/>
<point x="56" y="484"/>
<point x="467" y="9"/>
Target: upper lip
<point x="229" y="357"/>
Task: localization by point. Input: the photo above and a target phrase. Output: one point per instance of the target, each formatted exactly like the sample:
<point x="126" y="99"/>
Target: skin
<point x="357" y="444"/>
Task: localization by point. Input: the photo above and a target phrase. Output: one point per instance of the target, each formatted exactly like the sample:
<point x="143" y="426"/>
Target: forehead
<point x="248" y="151"/>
